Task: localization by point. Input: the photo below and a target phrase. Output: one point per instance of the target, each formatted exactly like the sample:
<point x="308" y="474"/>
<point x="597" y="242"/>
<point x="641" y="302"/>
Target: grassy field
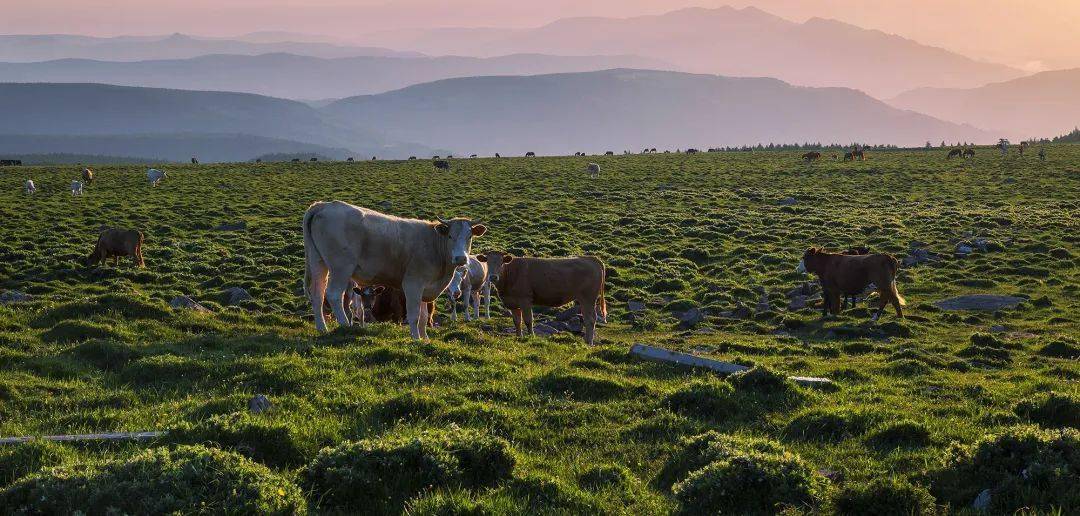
<point x="926" y="413"/>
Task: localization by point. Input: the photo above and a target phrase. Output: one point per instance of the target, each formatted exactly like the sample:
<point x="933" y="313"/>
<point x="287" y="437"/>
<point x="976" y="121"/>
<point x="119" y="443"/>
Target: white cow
<point x="466" y="285"/>
<point x="76" y="187"/>
<point x="594" y="170"/>
<point x="29" y="187"/>
<point x="343" y="242"/>
<point x="154" y="176"/>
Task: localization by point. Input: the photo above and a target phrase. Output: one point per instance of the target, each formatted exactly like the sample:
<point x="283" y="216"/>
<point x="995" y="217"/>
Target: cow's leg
<point x="882" y="303"/>
<point x="425" y="319"/>
<point x="335" y="294"/>
<point x="317" y="292"/>
<point x="588" y="319"/>
<point x="466" y="299"/>
<point x="475" y="299"/>
<point x="528" y="316"/>
<point x="453" y="306"/>
<point x="825" y="303"/>
<point x="517" y="319"/>
<point x="413" y="294"/>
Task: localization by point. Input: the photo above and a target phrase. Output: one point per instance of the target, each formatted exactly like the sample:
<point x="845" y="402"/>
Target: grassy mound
<point x="1051" y="410"/>
<point x="721" y="474"/>
<point x="273" y="443"/>
<point x="884" y="496"/>
<point x="187" y="479"/>
<point x="19" y="460"/>
<point x="706" y="399"/>
<point x="380" y="475"/>
<point x="831" y="425"/>
<point x="900" y="434"/>
<point x="579" y="386"/>
<point x="1024" y="467"/>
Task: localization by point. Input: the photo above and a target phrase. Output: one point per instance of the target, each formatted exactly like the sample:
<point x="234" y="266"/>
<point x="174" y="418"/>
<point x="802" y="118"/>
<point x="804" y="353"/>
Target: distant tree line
<point x="1073" y="137"/>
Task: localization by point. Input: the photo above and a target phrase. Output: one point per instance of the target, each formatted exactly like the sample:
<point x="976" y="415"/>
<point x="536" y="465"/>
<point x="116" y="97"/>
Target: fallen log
<point x="119" y="436"/>
<point x="666" y="355"/>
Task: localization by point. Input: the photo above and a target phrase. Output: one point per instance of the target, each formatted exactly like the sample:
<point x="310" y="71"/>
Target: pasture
<point x="913" y="423"/>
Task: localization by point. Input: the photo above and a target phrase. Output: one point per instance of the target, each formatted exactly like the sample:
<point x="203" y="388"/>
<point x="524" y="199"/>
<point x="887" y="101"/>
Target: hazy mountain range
<point x="728" y="41"/>
<point x="93" y="110"/>
<point x="1040" y="105"/>
<point x="550" y="114"/>
<point x="304" y="77"/>
<point x="28" y="48"/>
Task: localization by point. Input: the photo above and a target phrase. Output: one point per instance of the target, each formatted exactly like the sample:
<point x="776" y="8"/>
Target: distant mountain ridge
<point x="95" y="110"/>
<point x="633" y="109"/>
<point x="304" y="77"/>
<point x="47" y="47"/>
<point x="1040" y="105"/>
<point x="744" y="42"/>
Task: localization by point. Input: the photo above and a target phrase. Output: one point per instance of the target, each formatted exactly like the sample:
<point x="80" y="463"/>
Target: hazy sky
<point x="1032" y="34"/>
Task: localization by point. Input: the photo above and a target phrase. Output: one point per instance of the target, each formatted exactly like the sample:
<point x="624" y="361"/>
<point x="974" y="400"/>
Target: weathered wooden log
<point x="675" y="357"/>
<point x="119" y="436"/>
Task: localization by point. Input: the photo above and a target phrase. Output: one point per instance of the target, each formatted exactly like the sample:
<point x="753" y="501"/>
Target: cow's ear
<point x="379" y="289"/>
<point x="443" y="229"/>
<point x="479" y="230"/>
<point x="481" y="258"/>
<point x="357" y="291"/>
<point x="507" y="258"/>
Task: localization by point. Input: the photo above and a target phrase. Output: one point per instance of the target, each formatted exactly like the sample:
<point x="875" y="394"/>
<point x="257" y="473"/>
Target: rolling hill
<point x="99" y="110"/>
<point x="303" y="77"/>
<point x="728" y="41"/>
<point x="178" y="147"/>
<point x="633" y="109"/>
<point x="1040" y="105"/>
<point x="45" y="47"/>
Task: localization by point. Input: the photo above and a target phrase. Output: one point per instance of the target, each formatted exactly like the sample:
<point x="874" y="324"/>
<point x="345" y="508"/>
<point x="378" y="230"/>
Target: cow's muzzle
<point x="459" y="260"/>
<point x="802" y="267"/>
<point x="494" y="278"/>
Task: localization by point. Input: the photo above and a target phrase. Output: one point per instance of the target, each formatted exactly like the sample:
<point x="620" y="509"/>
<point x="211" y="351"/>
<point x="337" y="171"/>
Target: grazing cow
<point x="530" y="154"/>
<point x="154" y="176"/>
<point x="594" y="170"/>
<point x="76" y="187"/>
<point x="609" y="153"/>
<point x="955" y="153"/>
<point x="497" y="155"/>
<point x="1023" y="146"/>
<point x="449" y="156"/>
<point x="526" y="282"/>
<point x="472" y="155"/>
<point x="29" y="187"/>
<point x="194" y="160"/>
<point x="840" y="274"/>
<point x="1042" y="153"/>
<point x="811" y="156"/>
<point x="296" y="160"/>
<point x="313" y="160"/>
<point x="259" y="160"/>
<point x="373" y="158"/>
<point x="848" y="156"/>
<point x="442" y="164"/>
<point x="969" y="153"/>
<point x="350" y="159"/>
<point x="88" y="176"/>
<point x="467" y="283"/>
<point x="343" y="242"/>
<point x="858" y="153"/>
<point x="114" y="243"/>
<point x="835" y="156"/>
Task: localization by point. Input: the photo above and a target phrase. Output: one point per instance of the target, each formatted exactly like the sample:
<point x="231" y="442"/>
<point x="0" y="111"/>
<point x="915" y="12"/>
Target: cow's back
<point x="555" y="281"/>
<point x="376" y="244"/>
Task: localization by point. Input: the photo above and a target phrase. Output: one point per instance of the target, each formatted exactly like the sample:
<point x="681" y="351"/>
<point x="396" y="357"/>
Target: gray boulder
<point x="635" y="306"/>
<point x="186" y="303"/>
<point x="234" y="226"/>
<point x="690" y="318"/>
<point x="236" y="295"/>
<point x="14" y="296"/>
<point x="258" y="404"/>
<point x="984" y="302"/>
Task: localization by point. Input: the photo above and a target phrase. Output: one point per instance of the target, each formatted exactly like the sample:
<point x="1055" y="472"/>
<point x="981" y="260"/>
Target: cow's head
<point x="459" y="233"/>
<point x="496" y="261"/>
<point x="811" y="260"/>
<point x="367" y="294"/>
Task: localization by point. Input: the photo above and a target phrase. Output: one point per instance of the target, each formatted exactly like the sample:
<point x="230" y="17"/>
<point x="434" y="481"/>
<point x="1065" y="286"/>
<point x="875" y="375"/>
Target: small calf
<point x="29" y="187"/>
<point x="114" y="243"/>
<point x="594" y="170"/>
<point x="76" y="187"/>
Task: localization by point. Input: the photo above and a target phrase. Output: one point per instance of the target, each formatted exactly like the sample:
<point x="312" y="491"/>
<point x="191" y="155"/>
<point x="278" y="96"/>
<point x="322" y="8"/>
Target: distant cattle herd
<point x="362" y="265"/>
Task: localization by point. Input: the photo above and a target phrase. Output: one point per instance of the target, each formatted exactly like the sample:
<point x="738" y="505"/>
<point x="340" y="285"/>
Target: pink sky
<point x="1033" y="35"/>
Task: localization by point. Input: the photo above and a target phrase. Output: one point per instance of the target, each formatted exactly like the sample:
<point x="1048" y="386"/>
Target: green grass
<point x="591" y="429"/>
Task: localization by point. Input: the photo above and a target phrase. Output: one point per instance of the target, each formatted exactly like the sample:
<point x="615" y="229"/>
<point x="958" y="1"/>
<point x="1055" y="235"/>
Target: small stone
<point x="788" y="201"/>
<point x="186" y="303"/>
<point x="544" y="330"/>
<point x="236" y="295"/>
<point x="964" y="250"/>
<point x="568" y="314"/>
<point x="797" y="303"/>
<point x="14" y="296"/>
<point x="982" y="502"/>
<point x="258" y="404"/>
<point x="997" y="329"/>
<point x="635" y="306"/>
<point x="763" y="303"/>
<point x="690" y="318"/>
<point x="982" y="302"/>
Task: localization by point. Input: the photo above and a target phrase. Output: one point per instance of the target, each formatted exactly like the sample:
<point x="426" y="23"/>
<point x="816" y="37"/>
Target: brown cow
<point x="841" y="273"/>
<point x="388" y="305"/>
<point x="955" y="153"/>
<point x="526" y="282"/>
<point x="115" y="243"/>
<point x="88" y="176"/>
<point x="811" y="156"/>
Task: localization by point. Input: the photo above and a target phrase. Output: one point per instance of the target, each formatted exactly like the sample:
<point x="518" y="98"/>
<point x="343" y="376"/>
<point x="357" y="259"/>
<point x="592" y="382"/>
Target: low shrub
<point x="380" y="475"/>
<point x="1023" y="467"/>
<point x="1061" y="348"/>
<point x="700" y="450"/>
<point x="19" y="460"/>
<point x="706" y="399"/>
<point x="1051" y="410"/>
<point x="609" y="476"/>
<point x="900" y="434"/>
<point x="884" y="496"/>
<point x="183" y="480"/>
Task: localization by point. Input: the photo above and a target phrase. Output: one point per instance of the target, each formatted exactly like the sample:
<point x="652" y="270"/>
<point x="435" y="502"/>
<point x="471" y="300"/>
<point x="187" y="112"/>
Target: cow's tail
<point x="310" y="251"/>
<point x="602" y="300"/>
<point x="895" y="265"/>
